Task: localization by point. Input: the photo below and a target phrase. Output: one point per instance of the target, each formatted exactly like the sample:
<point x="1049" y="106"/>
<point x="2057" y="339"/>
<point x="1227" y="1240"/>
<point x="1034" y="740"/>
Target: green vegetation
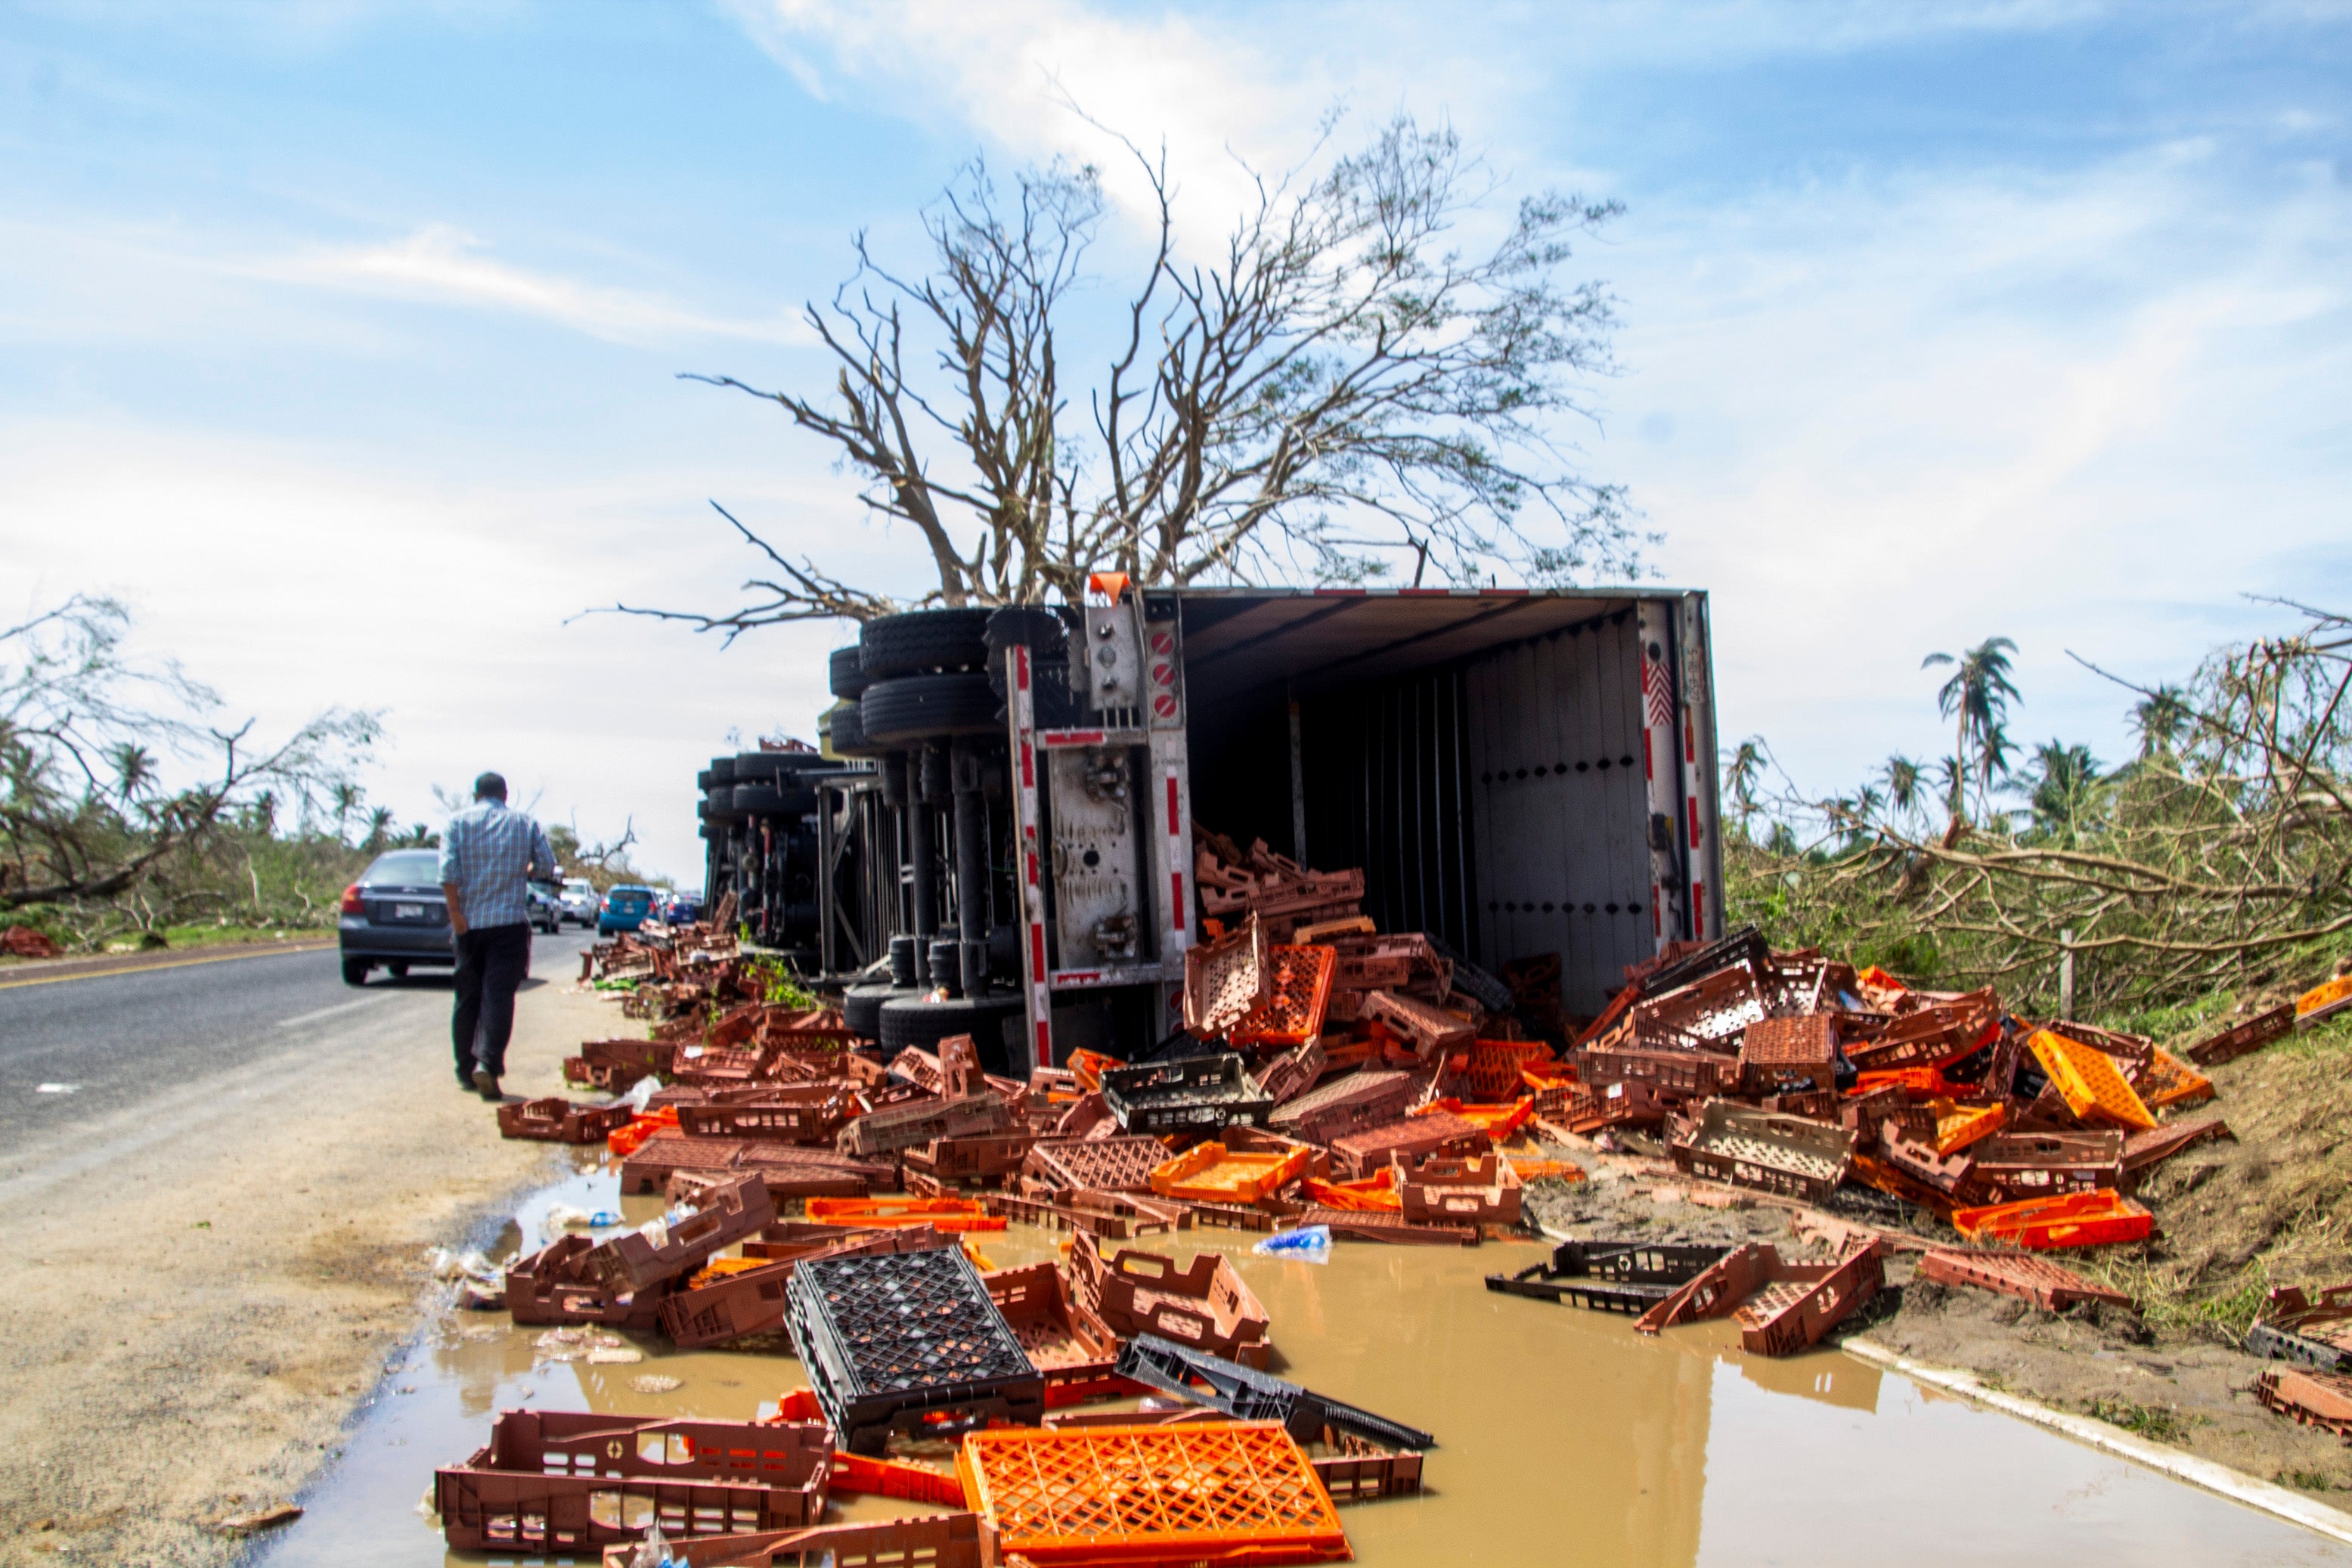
<point x="2156" y="1422"/>
<point x="2216" y="863"/>
<point x="132" y="814"/>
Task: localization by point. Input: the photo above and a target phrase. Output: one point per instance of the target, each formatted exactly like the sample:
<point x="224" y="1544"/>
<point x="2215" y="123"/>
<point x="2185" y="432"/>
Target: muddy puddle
<point x="1565" y="1438"/>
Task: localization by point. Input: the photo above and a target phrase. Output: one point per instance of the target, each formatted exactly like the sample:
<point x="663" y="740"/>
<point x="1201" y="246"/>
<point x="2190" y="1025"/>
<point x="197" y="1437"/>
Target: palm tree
<point x="1951" y="779"/>
<point x="379" y="833"/>
<point x="1903" y="780"/>
<point x="134" y="769"/>
<point x="1977" y="697"/>
<point x="346" y="796"/>
<point x="2160" y="718"/>
<point x="1739" y="776"/>
<point x="2061" y="783"/>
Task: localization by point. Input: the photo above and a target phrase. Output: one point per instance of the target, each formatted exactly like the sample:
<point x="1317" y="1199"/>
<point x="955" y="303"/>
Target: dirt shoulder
<point x="2234" y="1219"/>
<point x="194" y="1318"/>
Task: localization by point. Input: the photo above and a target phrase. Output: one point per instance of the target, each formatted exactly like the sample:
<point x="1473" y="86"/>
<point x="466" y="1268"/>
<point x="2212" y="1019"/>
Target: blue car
<point x="625" y="907"/>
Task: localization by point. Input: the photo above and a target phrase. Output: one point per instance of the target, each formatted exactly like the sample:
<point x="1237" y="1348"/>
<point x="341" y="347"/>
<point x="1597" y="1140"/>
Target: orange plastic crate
<point x="2089" y="1080"/>
<point x="2050" y="1225"/>
<point x="1087" y="1068"/>
<point x="949" y="1214"/>
<point x="1292" y="1013"/>
<point x="1238" y="1492"/>
<point x="2169" y="1081"/>
<point x="1373" y="1195"/>
<point x="1497" y="1121"/>
<point x="624" y="1142"/>
<point x="1918" y="1083"/>
<point x="1957" y="1126"/>
<point x="1496" y="1069"/>
<point x="893" y="1478"/>
<point x="1210" y="1173"/>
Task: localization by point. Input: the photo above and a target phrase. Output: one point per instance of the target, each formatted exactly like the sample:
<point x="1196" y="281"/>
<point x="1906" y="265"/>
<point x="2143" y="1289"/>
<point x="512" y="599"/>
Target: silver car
<point x="579" y="901"/>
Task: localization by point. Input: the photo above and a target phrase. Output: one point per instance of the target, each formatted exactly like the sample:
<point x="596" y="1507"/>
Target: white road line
<point x="330" y="1012"/>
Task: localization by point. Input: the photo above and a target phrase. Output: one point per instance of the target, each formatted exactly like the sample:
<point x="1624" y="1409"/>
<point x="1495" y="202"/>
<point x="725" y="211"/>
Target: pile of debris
<point x="669" y="972"/>
<point x="1331" y="1081"/>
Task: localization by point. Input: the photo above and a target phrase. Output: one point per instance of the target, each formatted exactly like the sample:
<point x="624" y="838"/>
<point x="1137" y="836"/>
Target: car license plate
<point x="408" y="911"/>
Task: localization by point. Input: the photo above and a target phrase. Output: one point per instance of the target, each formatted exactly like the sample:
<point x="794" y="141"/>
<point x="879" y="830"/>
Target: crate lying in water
<point x="1188" y="1095"/>
<point x="1246" y="1393"/>
<point x="1782" y="1307"/>
<point x="755" y="1301"/>
<point x="1187" y="1492"/>
<point x="1784" y="1155"/>
<point x="1204" y="1304"/>
<point x="552" y="1481"/>
<point x="1613" y="1275"/>
<point x="1440" y="1189"/>
<point x="558" y="1121"/>
<point x="910" y="1343"/>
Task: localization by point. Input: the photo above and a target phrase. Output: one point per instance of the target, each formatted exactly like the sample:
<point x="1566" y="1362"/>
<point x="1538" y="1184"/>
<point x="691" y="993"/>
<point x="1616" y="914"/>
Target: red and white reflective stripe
<point x="1052" y="739"/>
<point x="1177" y="903"/>
<point x="1033" y="892"/>
<point x="1661" y="767"/>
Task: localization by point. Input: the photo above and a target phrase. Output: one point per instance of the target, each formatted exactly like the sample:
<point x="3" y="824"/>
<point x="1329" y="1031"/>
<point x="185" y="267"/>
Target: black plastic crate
<point x="909" y="1343"/>
<point x="1610" y="1276"/>
<point x="1192" y="1094"/>
<point x="1246" y="1393"/>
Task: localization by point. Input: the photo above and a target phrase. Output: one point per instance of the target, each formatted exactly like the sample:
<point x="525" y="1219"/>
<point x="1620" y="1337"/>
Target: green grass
<point x="2156" y="1422"/>
<point x="2166" y="1303"/>
<point x="2308" y="1480"/>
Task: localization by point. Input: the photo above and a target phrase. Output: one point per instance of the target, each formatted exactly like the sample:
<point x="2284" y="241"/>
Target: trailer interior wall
<point x="1480" y="755"/>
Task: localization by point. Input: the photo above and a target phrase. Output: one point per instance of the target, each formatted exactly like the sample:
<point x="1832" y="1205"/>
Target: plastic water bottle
<point x="1308" y="1244"/>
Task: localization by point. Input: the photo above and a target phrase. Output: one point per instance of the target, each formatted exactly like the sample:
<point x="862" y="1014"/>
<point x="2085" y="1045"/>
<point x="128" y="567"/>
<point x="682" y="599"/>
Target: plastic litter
<point x="1308" y="1244"/>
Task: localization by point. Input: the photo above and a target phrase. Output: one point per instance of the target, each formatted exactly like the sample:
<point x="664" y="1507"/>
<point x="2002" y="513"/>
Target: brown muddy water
<point x="1564" y="1438"/>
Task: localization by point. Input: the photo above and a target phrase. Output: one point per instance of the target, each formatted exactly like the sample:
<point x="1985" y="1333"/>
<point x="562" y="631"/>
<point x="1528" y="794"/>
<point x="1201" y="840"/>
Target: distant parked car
<point x="625" y="907"/>
<point x="579" y="901"/>
<point x="394" y="916"/>
<point x="683" y="908"/>
<point x="546" y="908"/>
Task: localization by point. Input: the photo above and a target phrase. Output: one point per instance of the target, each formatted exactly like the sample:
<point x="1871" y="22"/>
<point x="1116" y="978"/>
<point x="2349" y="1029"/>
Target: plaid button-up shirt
<point x="489" y="852"/>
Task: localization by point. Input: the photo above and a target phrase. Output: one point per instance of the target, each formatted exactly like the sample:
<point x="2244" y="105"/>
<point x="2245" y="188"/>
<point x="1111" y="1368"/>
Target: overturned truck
<point x="1526" y="775"/>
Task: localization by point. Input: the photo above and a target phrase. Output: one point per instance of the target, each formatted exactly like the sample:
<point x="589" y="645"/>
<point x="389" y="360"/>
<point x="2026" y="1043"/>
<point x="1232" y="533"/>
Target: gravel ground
<point x="209" y="1281"/>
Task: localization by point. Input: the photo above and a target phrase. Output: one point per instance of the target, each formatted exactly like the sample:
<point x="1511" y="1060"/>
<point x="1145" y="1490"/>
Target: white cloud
<point x="439" y="262"/>
<point x="2087" y="411"/>
<point x="294" y="579"/>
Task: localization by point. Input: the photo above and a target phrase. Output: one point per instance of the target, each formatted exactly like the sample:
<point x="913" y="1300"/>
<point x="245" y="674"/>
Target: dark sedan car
<point x="396" y="917"/>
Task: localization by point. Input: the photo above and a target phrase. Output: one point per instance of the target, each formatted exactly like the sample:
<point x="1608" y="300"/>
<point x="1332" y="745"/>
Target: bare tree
<point x="1347" y="385"/>
<point x="84" y="816"/>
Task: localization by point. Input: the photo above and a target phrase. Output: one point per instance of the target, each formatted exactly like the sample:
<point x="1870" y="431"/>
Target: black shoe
<point x="486" y="1084"/>
<point x="466" y="1082"/>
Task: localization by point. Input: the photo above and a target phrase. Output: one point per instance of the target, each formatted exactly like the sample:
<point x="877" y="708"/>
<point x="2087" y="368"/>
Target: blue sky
<point x="340" y="338"/>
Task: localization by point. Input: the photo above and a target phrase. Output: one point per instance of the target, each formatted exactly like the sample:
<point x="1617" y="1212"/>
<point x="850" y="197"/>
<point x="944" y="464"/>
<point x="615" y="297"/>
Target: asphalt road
<point x="76" y="1052"/>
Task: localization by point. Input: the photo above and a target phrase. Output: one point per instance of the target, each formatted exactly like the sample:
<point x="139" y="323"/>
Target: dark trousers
<point x="490" y="961"/>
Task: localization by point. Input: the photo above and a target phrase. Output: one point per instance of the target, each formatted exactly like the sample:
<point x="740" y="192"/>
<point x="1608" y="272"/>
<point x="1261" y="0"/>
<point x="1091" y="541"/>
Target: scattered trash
<point x="259" y="1519"/>
<point x="24" y="941"/>
<point x="1332" y="1084"/>
<point x="1308" y="1243"/>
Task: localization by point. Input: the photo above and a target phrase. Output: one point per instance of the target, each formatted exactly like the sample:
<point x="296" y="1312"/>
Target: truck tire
<point x="861" y="1007"/>
<point x="924" y="639"/>
<point x="920" y="1021"/>
<point x="844" y="673"/>
<point x="849" y="733"/>
<point x="774" y="800"/>
<point x="723" y="771"/>
<point x="918" y="707"/>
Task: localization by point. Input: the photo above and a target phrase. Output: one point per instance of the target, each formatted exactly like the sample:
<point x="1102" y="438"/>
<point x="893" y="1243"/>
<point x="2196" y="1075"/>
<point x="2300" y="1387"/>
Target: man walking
<point x="488" y="857"/>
